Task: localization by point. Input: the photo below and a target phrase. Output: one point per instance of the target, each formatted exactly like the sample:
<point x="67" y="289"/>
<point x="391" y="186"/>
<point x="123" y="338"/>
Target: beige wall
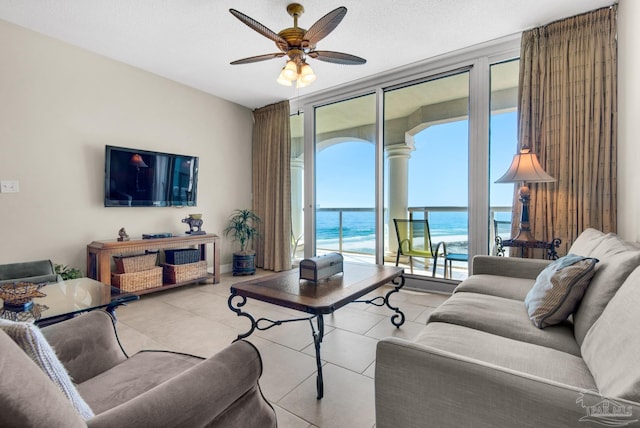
<point x="59" y="107"/>
<point x="628" y="117"/>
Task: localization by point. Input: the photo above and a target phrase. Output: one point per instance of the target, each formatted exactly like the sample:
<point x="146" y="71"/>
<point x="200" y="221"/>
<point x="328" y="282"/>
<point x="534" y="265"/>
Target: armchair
<point x="33" y="271"/>
<point x="148" y="389"/>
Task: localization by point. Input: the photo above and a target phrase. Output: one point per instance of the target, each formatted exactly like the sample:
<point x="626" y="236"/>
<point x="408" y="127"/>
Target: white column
<point x="398" y="156"/>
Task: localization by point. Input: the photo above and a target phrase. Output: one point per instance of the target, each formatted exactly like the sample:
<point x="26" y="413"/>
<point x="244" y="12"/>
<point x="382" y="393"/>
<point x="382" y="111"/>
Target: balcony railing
<point x="355" y="235"/>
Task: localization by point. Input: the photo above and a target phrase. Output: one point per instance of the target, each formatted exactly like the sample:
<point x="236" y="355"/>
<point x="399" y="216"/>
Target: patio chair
<point x="449" y="258"/>
<point x="414" y="240"/>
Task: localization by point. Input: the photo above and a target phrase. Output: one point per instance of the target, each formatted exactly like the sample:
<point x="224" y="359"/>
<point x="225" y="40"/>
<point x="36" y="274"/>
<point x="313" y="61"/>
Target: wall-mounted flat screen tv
<point x="142" y="178"/>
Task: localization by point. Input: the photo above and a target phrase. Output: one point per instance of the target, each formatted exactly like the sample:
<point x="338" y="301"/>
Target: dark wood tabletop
<point x="286" y="289"/>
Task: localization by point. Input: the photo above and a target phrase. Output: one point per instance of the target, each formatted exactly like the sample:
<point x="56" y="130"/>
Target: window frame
<point x="478" y="60"/>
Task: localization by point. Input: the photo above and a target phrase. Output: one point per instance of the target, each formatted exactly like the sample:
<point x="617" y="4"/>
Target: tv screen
<point x="142" y="178"/>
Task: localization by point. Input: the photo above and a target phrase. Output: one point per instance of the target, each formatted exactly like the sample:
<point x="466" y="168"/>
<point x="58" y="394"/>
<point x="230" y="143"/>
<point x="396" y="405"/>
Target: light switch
<point x="9" y="186"/>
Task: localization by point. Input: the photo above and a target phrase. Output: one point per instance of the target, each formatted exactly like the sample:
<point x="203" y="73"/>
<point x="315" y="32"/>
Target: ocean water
<point x="358" y="230"/>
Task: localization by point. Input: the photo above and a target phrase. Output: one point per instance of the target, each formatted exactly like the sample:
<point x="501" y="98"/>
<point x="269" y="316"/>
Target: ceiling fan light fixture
<point x="298" y="44"/>
<point x="306" y="74"/>
<point x="283" y="80"/>
<point x="290" y="71"/>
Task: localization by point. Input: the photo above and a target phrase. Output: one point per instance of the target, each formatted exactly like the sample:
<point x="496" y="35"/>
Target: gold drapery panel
<point x="568" y="116"/>
<point x="272" y="185"/>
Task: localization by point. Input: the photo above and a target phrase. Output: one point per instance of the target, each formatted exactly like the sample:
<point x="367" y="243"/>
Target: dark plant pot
<point x="244" y="264"/>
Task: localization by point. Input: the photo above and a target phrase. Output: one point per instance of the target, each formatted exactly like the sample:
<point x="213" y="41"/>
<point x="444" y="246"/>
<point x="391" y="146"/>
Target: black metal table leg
<point x="318" y="334"/>
<point x="317" y="340"/>
<point x="384" y="301"/>
<point x="239" y="312"/>
<point x="399" y="283"/>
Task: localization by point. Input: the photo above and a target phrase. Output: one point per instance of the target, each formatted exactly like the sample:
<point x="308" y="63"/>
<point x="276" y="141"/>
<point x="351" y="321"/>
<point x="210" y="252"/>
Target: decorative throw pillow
<point x="558" y="289"/>
<point x="30" y="339"/>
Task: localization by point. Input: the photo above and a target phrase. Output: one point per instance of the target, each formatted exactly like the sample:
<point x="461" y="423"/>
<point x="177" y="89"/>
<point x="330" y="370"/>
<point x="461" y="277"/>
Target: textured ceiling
<point x="193" y="41"/>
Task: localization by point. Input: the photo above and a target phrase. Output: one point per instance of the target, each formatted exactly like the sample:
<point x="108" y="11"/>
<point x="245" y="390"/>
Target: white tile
<point x="283" y="370"/>
<point x="348" y="400"/>
<point x="345" y="349"/>
<point x="289" y="420"/>
<point x="353" y="320"/>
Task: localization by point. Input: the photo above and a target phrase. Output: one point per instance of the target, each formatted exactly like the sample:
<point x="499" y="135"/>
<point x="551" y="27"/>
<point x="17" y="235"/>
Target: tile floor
<point x="196" y="319"/>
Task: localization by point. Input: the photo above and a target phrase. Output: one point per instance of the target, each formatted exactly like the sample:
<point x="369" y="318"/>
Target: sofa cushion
<point x="34" y="279"/>
<point x="558" y="289"/>
<point x="12" y="271"/>
<point x="137" y="375"/>
<point x="496" y="285"/>
<point x="513" y="267"/>
<point x="504" y="352"/>
<point x="586" y="242"/>
<point x="504" y="317"/>
<point x="617" y="260"/>
<point x="85" y="355"/>
<point x="30" y="339"/>
<point x="611" y="347"/>
<point x="29" y="398"/>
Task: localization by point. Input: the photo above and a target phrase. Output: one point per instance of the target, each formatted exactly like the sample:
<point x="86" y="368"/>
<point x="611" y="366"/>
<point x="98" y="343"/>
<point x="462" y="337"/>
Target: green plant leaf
<point x="67" y="272"/>
<point x="242" y="227"/>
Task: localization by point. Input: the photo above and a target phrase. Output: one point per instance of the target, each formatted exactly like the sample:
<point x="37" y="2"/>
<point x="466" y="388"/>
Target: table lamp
<point x="525" y="168"/>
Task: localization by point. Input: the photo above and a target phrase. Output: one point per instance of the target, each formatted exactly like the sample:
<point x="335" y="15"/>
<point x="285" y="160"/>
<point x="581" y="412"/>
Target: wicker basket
<point x="136" y="281"/>
<point x="135" y="263"/>
<point x="174" y="274"/>
<point x="182" y="256"/>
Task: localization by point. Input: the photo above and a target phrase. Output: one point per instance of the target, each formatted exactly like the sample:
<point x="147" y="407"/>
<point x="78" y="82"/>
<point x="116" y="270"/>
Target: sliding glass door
<point x="426" y="144"/>
<point x="502" y="146"/>
<point x="345" y="179"/>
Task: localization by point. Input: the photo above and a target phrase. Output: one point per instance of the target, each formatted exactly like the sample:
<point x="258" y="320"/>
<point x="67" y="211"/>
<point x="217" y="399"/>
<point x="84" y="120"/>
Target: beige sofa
<point x="149" y="389"/>
<point x="480" y="361"/>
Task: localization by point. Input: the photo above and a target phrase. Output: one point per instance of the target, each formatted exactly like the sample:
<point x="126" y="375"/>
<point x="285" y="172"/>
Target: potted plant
<point x="242" y="228"/>
<point x="67" y="272"/>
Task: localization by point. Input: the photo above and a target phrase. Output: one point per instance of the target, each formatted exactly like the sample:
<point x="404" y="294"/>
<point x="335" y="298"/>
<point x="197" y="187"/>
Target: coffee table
<point x="286" y="289"/>
<point x="65" y="299"/>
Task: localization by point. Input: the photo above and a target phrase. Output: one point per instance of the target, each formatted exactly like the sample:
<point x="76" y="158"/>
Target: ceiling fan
<point x="299" y="44"/>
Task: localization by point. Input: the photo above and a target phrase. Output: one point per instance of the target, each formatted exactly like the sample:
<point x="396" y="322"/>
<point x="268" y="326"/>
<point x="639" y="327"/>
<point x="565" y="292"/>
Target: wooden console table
<point x="99" y="254"/>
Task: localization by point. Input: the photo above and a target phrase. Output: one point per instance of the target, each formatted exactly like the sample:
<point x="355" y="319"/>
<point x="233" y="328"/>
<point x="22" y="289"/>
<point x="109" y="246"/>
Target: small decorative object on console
<point x="321" y="267"/>
<point x="122" y="235"/>
<point x="156" y="235"/>
<point x="18" y="296"/>
<point x="195" y="224"/>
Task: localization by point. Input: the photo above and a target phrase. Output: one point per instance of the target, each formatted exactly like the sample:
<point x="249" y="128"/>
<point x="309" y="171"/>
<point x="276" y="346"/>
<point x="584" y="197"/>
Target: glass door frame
<point x="478" y="60"/>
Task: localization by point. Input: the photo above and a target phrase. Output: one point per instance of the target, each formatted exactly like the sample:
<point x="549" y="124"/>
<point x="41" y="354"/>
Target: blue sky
<point x="345" y="173"/>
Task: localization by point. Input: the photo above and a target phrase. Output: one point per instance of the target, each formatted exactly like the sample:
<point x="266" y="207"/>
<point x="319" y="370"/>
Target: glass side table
<point x="65" y="299"/>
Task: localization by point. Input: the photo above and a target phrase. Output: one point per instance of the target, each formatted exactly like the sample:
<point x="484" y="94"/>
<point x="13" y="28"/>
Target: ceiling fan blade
<point x="337" y="57"/>
<point x="255" y="25"/>
<point x="325" y="25"/>
<point x="257" y="58"/>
